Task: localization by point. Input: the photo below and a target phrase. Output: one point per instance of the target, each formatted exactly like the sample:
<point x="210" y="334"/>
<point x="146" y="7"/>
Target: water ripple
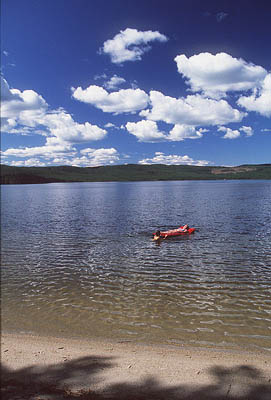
<point x="61" y="276"/>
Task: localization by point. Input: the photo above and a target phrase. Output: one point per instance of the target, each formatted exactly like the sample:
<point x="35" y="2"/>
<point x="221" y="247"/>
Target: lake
<point x="78" y="261"/>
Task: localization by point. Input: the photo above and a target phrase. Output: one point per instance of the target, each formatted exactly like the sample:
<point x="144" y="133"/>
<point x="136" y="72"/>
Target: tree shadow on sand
<point x="59" y="381"/>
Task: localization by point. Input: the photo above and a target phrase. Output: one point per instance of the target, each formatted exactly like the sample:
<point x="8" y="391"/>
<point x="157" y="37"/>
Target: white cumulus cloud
<point x="20" y="107"/>
<point x="193" y="110"/>
<point x="30" y="162"/>
<point x="64" y="129"/>
<point x="145" y="131"/>
<point x="215" y="75"/>
<point x="27" y="112"/>
<point x="90" y="158"/>
<point x="110" y="125"/>
<point x="24" y="110"/>
<point x="47" y="151"/>
<point x="148" y="131"/>
<point x="87" y="158"/>
<point x="229" y="133"/>
<point x="260" y="100"/>
<point x="114" y="82"/>
<point x="247" y="130"/>
<point x="235" y="133"/>
<point x="182" y="132"/>
<point x="173" y="159"/>
<point x="130" y="44"/>
<point x="95" y="157"/>
<point x="123" y="101"/>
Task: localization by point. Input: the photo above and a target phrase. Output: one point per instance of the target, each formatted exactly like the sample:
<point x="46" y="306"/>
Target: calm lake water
<point x="78" y="261"/>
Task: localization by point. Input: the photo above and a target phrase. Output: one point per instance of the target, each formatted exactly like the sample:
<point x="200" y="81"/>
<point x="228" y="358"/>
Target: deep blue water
<point x="78" y="260"/>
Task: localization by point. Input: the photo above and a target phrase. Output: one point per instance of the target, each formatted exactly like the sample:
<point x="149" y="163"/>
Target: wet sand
<point x="36" y="368"/>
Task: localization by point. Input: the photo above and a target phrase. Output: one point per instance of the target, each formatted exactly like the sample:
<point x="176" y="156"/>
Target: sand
<point x="40" y="368"/>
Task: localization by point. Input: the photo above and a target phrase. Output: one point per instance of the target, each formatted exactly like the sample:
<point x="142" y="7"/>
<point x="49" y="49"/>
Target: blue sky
<point x="96" y="82"/>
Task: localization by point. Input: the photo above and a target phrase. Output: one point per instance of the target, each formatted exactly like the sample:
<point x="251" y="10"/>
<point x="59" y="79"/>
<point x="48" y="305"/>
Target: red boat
<point x="177" y="232"/>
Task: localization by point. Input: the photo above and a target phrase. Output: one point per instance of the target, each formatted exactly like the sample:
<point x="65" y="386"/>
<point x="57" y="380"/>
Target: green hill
<point x="130" y="172"/>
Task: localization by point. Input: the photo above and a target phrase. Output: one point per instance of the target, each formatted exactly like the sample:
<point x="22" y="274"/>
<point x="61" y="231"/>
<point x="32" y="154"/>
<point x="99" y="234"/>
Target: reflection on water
<point x="78" y="260"/>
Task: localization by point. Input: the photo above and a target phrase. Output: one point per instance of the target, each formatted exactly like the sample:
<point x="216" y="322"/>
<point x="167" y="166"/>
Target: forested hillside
<point x="130" y="172"/>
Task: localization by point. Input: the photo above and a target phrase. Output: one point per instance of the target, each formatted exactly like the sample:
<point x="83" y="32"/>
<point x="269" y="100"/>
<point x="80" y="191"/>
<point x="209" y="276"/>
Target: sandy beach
<point x="58" y="368"/>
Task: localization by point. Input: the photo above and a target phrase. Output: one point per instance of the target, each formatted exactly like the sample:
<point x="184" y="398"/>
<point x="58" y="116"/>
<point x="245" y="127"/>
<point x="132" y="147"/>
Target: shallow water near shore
<point x="78" y="261"/>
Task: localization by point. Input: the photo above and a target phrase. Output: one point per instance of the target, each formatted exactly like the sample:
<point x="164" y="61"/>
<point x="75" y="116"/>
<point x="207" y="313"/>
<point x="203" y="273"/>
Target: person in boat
<point x="185" y="228"/>
<point x="157" y="236"/>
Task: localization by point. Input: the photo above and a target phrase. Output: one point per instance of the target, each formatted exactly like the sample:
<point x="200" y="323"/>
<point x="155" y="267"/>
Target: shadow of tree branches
<point x="56" y="382"/>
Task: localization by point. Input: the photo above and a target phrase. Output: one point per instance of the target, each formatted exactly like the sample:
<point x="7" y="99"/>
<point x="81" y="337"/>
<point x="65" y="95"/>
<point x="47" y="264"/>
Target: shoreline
<point x="227" y="348"/>
<point x="61" y="367"/>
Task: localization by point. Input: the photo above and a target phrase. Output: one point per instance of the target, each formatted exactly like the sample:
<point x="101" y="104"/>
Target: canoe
<point x="177" y="232"/>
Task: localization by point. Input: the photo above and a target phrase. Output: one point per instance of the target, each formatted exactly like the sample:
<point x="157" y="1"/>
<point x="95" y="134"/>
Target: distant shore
<point x="130" y="172"/>
<point x="45" y="366"/>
